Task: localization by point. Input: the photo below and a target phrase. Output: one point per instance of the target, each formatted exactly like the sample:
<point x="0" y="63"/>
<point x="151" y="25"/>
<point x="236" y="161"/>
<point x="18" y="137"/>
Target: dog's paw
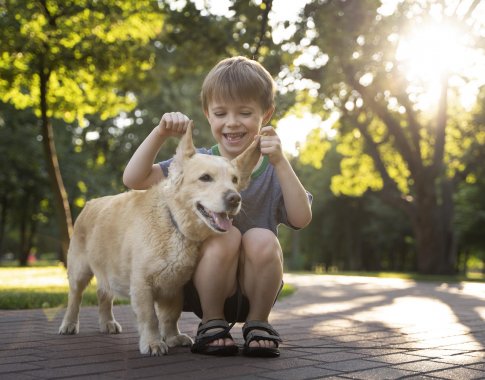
<point x="179" y="340"/>
<point x="69" y="328"/>
<point x="110" y="327"/>
<point x="154" y="349"/>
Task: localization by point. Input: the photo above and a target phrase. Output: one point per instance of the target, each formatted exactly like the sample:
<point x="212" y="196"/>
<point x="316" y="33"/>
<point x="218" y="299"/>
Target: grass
<point x="47" y="287"/>
<point x="477" y="277"/>
<point x="39" y="287"/>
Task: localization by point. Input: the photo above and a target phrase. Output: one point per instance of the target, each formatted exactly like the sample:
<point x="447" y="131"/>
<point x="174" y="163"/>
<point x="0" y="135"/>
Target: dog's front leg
<point x="169" y="310"/>
<point x="143" y="304"/>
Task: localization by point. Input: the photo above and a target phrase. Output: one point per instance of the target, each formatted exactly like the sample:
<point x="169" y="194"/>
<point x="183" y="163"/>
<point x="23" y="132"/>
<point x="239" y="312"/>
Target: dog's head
<point x="205" y="188"/>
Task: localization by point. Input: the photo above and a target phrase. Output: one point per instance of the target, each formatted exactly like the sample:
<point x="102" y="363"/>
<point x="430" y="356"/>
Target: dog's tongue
<point x="222" y="220"/>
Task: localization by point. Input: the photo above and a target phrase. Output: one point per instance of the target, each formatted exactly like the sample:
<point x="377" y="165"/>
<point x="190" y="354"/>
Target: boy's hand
<point x="173" y="124"/>
<point x="270" y="145"/>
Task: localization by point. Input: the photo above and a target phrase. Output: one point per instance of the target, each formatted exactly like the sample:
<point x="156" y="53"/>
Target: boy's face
<point x="234" y="124"/>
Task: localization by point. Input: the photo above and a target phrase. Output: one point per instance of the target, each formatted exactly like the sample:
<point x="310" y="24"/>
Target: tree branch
<point x="390" y="191"/>
<point x="471" y="9"/>
<point x="412" y="122"/>
<point x="264" y="25"/>
<point x="406" y="151"/>
<point x="441" y="120"/>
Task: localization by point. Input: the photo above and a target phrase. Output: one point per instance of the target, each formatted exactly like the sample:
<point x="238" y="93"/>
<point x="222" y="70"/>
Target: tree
<point x="412" y="154"/>
<point x="470" y="201"/>
<point x="23" y="182"/>
<point x="66" y="59"/>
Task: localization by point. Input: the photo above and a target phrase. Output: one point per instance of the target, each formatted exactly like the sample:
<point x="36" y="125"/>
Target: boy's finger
<point x="268" y="131"/>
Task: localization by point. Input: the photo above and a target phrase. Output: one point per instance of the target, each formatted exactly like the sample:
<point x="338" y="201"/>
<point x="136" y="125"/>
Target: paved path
<point x="333" y="326"/>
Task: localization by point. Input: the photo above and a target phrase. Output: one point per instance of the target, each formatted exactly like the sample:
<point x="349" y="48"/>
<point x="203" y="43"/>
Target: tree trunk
<point x="24" y="249"/>
<point x="28" y="229"/>
<point x="3" y="220"/>
<point x="61" y="202"/>
<point x="430" y="226"/>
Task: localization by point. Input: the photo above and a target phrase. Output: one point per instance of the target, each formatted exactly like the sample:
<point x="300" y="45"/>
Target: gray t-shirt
<point x="262" y="201"/>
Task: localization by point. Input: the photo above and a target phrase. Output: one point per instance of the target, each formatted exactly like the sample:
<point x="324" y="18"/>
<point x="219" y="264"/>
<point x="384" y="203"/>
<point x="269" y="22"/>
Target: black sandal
<point x="250" y="334"/>
<point x="205" y="336"/>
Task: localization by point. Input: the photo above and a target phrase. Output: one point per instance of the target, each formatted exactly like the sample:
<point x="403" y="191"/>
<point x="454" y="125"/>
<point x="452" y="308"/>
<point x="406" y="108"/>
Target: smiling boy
<point x="240" y="273"/>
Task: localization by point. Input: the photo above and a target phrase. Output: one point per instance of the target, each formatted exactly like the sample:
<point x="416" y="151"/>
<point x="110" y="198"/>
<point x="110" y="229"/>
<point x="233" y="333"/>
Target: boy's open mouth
<point x="234" y="136"/>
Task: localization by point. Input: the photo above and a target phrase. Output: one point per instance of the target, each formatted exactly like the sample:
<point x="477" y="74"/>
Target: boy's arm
<point x="141" y="172"/>
<point x="295" y="196"/>
<point x="297" y="204"/>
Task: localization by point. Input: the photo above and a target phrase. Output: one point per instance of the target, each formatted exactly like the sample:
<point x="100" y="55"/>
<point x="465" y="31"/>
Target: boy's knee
<point x="226" y="245"/>
<point x="261" y="245"/>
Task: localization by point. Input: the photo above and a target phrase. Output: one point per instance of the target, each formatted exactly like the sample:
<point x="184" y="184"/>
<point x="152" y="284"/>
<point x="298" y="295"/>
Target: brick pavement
<point x="333" y="326"/>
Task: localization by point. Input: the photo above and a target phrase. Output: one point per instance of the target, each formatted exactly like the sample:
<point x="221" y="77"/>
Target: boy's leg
<point x="261" y="275"/>
<point x="215" y="276"/>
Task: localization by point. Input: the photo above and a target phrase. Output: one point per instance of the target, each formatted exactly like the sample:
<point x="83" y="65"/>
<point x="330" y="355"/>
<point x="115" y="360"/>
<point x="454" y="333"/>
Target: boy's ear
<point x="268" y="114"/>
<point x="246" y="162"/>
<point x="185" y="150"/>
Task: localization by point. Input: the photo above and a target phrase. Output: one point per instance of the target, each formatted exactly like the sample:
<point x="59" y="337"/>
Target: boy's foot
<point x="261" y="339"/>
<point x="213" y="338"/>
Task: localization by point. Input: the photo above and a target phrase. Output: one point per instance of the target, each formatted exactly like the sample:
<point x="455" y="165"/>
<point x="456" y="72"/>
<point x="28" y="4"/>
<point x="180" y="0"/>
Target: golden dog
<point x="144" y="244"/>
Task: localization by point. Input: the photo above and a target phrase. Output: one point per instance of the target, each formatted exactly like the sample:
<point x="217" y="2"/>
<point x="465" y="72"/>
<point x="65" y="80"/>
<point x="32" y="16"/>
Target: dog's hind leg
<point x="107" y="322"/>
<point x="169" y="311"/>
<point x="79" y="275"/>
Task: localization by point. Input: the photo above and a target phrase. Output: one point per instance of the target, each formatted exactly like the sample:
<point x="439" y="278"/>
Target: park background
<point x="380" y="106"/>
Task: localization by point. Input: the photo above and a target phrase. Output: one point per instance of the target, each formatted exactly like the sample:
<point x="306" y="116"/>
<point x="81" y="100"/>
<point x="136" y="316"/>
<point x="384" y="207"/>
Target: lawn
<point x="37" y="287"/>
<point x="47" y="287"/>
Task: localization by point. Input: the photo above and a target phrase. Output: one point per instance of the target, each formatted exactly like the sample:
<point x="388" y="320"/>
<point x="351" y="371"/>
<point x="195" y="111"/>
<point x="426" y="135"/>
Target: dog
<point x="144" y="244"/>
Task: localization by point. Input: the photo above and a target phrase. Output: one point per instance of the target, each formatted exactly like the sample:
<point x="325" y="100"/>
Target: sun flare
<point x="431" y="52"/>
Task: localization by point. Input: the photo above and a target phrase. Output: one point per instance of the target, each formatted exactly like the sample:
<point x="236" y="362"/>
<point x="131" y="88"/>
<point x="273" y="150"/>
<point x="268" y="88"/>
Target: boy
<point x="240" y="273"/>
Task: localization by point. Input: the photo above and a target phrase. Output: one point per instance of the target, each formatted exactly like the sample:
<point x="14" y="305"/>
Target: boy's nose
<point x="232" y="120"/>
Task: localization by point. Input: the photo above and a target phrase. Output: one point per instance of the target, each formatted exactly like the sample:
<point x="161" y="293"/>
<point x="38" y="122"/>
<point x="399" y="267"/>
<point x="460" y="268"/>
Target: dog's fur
<point x="144" y="244"/>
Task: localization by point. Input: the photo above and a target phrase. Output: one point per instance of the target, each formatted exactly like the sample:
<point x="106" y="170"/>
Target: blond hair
<point x="238" y="79"/>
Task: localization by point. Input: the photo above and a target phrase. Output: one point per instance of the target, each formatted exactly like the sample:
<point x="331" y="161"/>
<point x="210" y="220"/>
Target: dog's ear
<point x="185" y="150"/>
<point x="246" y="162"/>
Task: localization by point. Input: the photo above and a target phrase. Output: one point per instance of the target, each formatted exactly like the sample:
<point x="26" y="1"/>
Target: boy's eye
<point x="246" y="113"/>
<point x="205" y="178"/>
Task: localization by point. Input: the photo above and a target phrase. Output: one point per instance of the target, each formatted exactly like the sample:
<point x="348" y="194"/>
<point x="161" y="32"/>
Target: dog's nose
<point x="232" y="199"/>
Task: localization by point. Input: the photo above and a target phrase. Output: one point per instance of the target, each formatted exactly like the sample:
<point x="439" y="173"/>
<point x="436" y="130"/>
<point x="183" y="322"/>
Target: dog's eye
<point x="205" y="178"/>
<point x="235" y="180"/>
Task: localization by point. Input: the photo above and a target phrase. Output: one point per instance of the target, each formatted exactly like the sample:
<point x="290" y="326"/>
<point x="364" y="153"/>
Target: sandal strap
<point x="212" y="324"/>
<point x="204" y="335"/>
<point x="250" y="333"/>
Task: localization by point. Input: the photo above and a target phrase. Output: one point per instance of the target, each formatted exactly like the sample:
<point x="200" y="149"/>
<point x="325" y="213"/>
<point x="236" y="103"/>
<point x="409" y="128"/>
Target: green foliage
<point x="314" y="149"/>
<point x="114" y="67"/>
<point x="391" y="142"/>
<point x="361" y="42"/>
<point x="83" y="49"/>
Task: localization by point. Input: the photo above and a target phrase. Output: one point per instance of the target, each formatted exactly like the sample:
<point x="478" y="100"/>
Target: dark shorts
<point x="236" y="307"/>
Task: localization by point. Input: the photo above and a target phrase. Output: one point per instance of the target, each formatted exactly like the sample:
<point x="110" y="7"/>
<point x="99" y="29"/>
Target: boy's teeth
<point x="233" y="136"/>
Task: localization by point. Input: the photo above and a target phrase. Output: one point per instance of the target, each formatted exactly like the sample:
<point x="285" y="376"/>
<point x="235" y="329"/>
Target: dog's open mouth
<point x="218" y="221"/>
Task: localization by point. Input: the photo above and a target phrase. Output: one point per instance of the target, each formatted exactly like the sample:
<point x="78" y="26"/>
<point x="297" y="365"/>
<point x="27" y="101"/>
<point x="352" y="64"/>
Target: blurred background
<point x="380" y="107"/>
